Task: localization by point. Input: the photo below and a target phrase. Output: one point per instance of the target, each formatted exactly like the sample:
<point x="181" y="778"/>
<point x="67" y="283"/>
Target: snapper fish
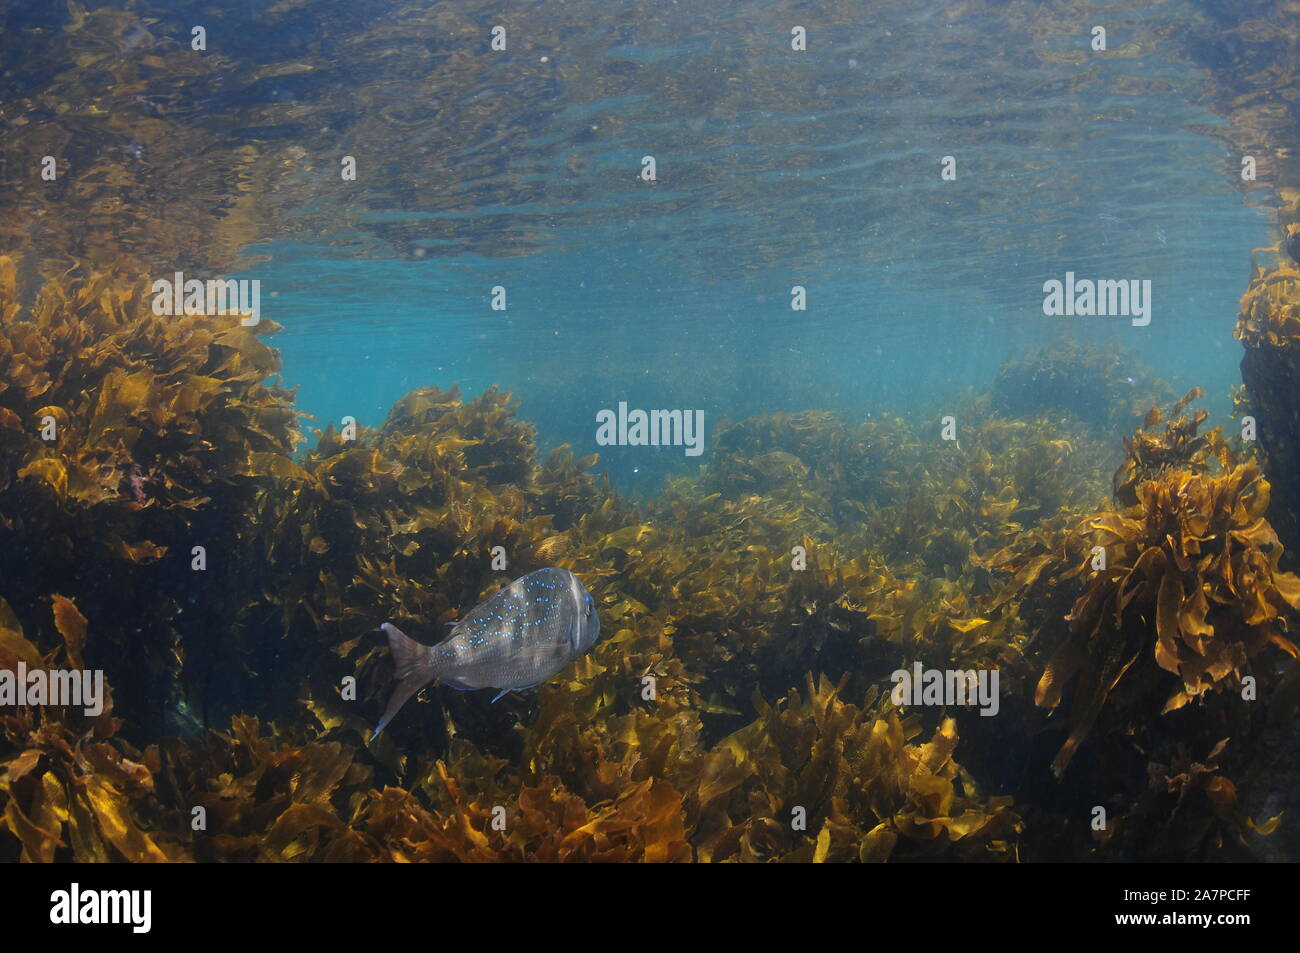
<point x="513" y="641"/>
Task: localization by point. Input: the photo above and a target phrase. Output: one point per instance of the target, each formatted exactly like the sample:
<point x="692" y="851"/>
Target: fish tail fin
<point x="414" y="670"/>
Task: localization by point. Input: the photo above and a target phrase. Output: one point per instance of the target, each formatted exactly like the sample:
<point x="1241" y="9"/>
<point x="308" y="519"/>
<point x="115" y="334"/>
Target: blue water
<point x="677" y="293"/>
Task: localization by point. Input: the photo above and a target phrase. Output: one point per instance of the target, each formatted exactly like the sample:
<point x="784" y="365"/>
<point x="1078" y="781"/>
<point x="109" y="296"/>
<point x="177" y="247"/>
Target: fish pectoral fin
<point x="507" y="691"/>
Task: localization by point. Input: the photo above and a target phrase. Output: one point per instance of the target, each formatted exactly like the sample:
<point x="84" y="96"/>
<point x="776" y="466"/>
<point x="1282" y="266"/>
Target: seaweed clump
<point x="1172" y="599"/>
<point x="1196" y="556"/>
<point x="882" y="792"/>
<point x="754" y="611"/>
<point x="126" y="441"/>
<point x="71" y="786"/>
<point x="401" y="523"/>
<point x="1103" y="388"/>
<point x="1268" y="327"/>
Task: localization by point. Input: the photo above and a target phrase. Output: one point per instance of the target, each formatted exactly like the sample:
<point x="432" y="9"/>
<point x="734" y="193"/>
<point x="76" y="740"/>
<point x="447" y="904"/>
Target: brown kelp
<point x="737" y="708"/>
<point x="401" y="522"/>
<point x="1170" y="599"/>
<point x="754" y="610"/>
<point x="72" y="788"/>
<point x="132" y="449"/>
<point x="1196" y="556"/>
<point x="877" y="791"/>
<point x="1268" y="327"/>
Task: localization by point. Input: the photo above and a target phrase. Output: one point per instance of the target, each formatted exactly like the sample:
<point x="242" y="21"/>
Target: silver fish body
<point x="516" y="639"/>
